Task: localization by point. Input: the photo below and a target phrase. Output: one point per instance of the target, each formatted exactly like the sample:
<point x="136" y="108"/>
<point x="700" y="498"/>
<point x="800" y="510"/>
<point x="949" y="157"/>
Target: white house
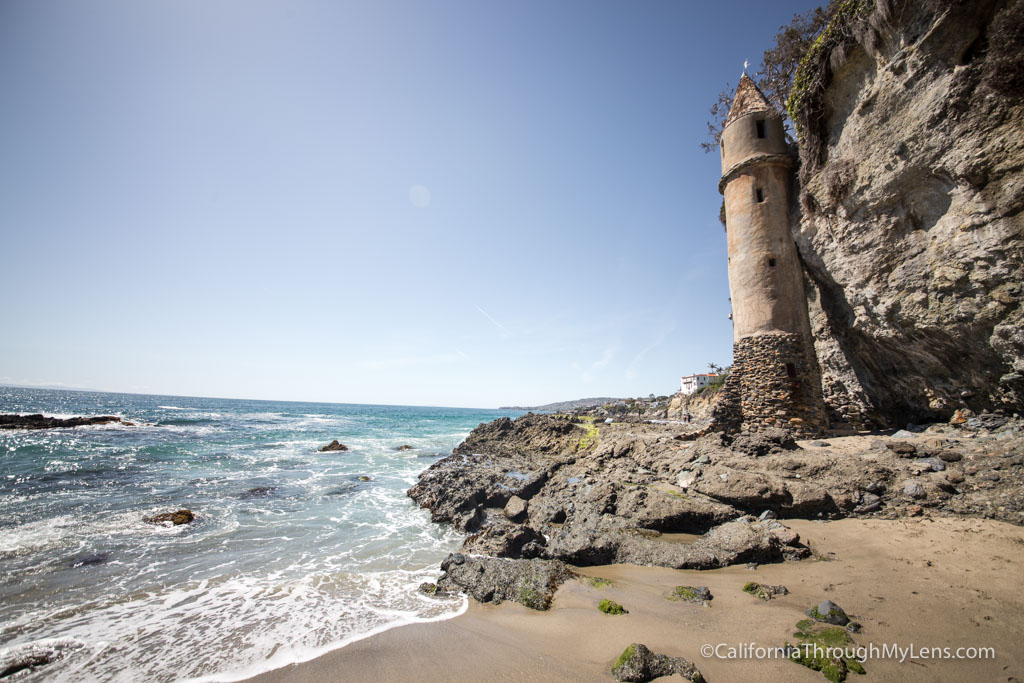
<point x="691" y="383"/>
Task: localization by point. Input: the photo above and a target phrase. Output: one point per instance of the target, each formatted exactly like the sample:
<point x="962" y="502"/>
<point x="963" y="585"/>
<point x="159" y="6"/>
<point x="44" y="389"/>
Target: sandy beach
<point x="922" y="582"/>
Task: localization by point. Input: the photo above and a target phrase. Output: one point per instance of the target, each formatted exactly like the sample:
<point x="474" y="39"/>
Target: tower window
<point x="771" y="263"/>
<point x="760" y="128"/>
<point x="760" y="195"/>
<point x="790" y="370"/>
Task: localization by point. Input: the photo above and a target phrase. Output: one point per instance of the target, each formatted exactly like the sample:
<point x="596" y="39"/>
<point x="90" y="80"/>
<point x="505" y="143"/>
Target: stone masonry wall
<point x="778" y="383"/>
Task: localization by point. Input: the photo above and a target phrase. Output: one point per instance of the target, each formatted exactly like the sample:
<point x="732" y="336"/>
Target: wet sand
<point x="935" y="583"/>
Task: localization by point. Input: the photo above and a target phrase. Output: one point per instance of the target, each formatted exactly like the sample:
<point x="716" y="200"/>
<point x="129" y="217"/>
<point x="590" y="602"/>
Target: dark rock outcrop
<point x="609" y="502"/>
<point x="259" y="492"/>
<point x="535" y="435"/>
<point x="39" y="421"/>
<point x="21" y="661"/>
<point x="177" y="517"/>
<point x="626" y="496"/>
<point x="768" y="441"/>
<point x="333" y="446"/>
<point x="489" y="579"/>
<point x="736" y="542"/>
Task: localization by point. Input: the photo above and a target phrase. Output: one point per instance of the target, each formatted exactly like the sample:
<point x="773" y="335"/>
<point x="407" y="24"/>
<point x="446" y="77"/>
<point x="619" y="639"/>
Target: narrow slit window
<point x="760" y="195"/>
<point x="790" y="370"/>
<point x="771" y="263"/>
<point x="760" y="128"/>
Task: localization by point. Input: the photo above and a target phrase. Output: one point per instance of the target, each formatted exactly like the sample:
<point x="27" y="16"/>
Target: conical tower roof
<point x="748" y="99"/>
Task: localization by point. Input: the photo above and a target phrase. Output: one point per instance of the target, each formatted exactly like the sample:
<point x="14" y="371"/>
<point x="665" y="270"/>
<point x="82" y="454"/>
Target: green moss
<point x="591" y="432"/>
<point x="611" y="607"/>
<point x="818" y="616"/>
<point x="808" y="72"/>
<point x="626" y="655"/>
<point x="676" y="494"/>
<point x="754" y="588"/>
<point x="813" y="640"/>
<point x="531" y="598"/>
<point x="683" y="593"/>
<point x="598" y="582"/>
<point x="832" y="669"/>
<point x="828" y="636"/>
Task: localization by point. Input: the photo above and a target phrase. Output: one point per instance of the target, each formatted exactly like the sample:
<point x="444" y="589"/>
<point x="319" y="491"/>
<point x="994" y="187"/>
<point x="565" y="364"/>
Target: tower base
<point x="774" y="383"/>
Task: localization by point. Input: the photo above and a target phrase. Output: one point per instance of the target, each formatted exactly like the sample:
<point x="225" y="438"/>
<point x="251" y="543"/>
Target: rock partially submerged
<point x="26" y="663"/>
<point x="333" y="446"/>
<point x="39" y="421"/>
<point x="21" y="661"/>
<point x="177" y="517"/>
<point x="489" y="579"/>
<point x="259" y="492"/>
<point x="639" y="664"/>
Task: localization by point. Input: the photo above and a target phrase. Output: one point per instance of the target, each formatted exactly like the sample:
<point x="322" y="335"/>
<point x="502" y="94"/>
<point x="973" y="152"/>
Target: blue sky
<point x="434" y="203"/>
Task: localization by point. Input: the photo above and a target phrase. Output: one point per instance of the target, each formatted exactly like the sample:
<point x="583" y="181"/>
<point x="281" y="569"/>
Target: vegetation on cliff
<point x="776" y="73"/>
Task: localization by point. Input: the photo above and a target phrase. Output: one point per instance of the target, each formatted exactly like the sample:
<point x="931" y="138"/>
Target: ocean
<point x="291" y="554"/>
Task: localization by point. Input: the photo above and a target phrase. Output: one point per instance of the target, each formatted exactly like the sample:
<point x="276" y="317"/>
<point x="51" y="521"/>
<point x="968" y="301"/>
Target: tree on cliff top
<point x="778" y="67"/>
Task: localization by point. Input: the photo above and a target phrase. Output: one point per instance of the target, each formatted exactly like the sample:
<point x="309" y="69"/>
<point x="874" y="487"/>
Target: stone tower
<point x="775" y="374"/>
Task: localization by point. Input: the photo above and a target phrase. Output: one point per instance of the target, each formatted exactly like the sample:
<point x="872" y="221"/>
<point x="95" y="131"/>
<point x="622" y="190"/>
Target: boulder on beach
<point x="637" y="663"/>
<point x="490" y="579"/>
<point x="829" y="613"/>
<point x="177" y="517"/>
<point x="764" y="591"/>
<point x="700" y="595"/>
<point x="333" y="446"/>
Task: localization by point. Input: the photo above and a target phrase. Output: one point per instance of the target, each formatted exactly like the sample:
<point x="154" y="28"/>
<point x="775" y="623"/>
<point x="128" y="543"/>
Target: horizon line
<point x="55" y="387"/>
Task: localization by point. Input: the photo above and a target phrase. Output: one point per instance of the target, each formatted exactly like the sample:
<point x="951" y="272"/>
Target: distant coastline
<point x="566" y="405"/>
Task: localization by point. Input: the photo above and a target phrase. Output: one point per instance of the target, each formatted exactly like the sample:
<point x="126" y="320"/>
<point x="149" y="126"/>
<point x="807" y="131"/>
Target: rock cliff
<point x="909" y="217"/>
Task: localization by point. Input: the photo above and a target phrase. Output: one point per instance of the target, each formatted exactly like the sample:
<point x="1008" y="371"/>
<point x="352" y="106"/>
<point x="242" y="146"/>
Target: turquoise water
<point x="291" y="554"/>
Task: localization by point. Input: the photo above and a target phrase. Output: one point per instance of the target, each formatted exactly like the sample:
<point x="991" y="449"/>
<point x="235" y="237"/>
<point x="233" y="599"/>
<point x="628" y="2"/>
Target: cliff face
<point x="909" y="218"/>
<point x="697" y="406"/>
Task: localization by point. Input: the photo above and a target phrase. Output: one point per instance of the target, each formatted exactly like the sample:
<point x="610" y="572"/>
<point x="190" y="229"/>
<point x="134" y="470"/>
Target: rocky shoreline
<point x="576" y="490"/>
<point x="542" y="495"/>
